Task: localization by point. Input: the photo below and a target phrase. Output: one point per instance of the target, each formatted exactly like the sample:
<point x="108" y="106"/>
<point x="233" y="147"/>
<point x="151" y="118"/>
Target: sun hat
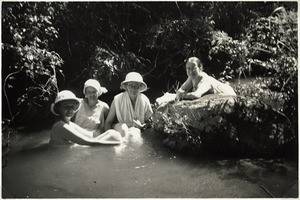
<point x="63" y="96"/>
<point x="134" y="77"/>
<point x="95" y="84"/>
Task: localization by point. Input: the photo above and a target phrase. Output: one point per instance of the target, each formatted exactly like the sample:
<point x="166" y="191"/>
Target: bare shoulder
<point x="102" y="103"/>
<point x="58" y="124"/>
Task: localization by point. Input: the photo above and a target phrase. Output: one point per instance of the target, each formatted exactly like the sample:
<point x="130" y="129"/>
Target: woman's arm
<point x="187" y="85"/>
<point x="110" y="117"/>
<point x="202" y="89"/>
<point x="103" y="116"/>
<point x="72" y="133"/>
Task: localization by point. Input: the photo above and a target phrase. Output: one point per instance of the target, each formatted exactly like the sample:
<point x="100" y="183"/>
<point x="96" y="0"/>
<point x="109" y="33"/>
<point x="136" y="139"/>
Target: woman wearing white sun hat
<point x="92" y="111"/>
<point x="66" y="132"/>
<point x="130" y="108"/>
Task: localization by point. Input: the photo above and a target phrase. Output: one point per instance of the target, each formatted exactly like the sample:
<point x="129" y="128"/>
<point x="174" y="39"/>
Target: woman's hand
<point x="180" y="94"/>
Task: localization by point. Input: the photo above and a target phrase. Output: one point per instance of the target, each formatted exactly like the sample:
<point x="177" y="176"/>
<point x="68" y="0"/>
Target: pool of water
<point x="139" y="168"/>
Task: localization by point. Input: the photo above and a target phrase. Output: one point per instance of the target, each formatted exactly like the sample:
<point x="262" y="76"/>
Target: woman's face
<point x="67" y="108"/>
<point x="192" y="69"/>
<point x="91" y="94"/>
<point x="133" y="88"/>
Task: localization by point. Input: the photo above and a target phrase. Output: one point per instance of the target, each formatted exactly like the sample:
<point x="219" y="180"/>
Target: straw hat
<point x="134" y="77"/>
<point x="63" y="96"/>
<point x="95" y="84"/>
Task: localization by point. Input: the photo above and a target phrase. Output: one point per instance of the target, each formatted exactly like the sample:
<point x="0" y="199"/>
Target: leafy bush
<point x="277" y="35"/>
<point x="271" y="47"/>
<point x="108" y="63"/>
<point x="185" y="37"/>
<point x="28" y="33"/>
<point x="232" y="56"/>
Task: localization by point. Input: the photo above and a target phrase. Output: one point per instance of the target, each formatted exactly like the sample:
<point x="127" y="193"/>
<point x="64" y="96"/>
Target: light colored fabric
<point x="91" y="119"/>
<point x="126" y="112"/>
<point x="68" y="133"/>
<point x="216" y="86"/>
<point x="167" y="97"/>
<point x="95" y="84"/>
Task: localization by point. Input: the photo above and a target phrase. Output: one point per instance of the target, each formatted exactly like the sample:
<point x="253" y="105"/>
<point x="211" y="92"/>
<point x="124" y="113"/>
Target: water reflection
<point x="133" y="139"/>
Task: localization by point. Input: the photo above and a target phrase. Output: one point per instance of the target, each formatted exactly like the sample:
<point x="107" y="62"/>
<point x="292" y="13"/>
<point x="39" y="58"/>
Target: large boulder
<point x="223" y="124"/>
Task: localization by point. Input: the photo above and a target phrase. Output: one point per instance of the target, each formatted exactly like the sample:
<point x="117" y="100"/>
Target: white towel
<point x="126" y="112"/>
<point x="167" y="97"/>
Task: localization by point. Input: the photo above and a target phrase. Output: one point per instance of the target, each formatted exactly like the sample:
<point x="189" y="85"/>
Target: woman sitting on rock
<point x="66" y="132"/>
<point x="199" y="83"/>
<point x="130" y="110"/>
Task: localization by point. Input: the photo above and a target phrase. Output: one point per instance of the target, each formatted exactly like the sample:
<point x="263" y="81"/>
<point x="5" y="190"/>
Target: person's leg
<point x="74" y="133"/>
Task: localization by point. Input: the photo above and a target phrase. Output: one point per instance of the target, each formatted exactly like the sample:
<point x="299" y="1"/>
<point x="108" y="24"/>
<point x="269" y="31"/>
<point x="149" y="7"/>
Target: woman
<point x="130" y="110"/>
<point x="66" y="132"/>
<point x="199" y="83"/>
<point x="92" y="112"/>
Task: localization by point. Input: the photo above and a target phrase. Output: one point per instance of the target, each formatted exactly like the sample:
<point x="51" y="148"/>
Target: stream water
<point x="140" y="168"/>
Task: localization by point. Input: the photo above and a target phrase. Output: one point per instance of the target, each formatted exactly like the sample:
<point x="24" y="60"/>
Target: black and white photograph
<point x="149" y="99"/>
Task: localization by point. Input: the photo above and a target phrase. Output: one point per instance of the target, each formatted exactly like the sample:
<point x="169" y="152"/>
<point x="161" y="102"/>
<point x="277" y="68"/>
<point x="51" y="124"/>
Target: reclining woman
<point x="92" y="111"/>
<point x="199" y="83"/>
<point x="130" y="110"/>
<point x="66" y="132"/>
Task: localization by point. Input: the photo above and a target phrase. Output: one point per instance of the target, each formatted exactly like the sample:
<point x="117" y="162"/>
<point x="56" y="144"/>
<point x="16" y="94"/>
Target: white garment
<point x="167" y="97"/>
<point x="68" y="133"/>
<point x="91" y="119"/>
<point x="216" y="86"/>
<point x="126" y="113"/>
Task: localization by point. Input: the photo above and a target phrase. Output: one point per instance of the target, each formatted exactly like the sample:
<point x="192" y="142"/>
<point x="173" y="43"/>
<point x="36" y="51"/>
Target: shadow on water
<point x="142" y="167"/>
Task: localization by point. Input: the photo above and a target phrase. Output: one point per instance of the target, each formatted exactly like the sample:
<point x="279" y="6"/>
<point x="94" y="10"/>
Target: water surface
<point x="140" y="168"/>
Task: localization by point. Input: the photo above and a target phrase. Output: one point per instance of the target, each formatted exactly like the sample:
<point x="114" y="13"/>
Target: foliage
<point x="29" y="33"/>
<point x="232" y="56"/>
<point x="107" y="63"/>
<point x="233" y="17"/>
<point x="179" y="135"/>
<point x="258" y="88"/>
<point x="270" y="47"/>
<point x="277" y="35"/>
<point x="101" y="39"/>
<point x="7" y="135"/>
<point x="182" y="37"/>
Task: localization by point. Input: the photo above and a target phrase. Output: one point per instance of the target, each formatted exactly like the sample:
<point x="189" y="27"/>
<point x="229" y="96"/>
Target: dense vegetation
<point x="50" y="46"/>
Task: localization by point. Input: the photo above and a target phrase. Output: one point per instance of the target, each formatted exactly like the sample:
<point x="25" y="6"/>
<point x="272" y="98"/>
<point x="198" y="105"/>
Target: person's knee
<point x="122" y="128"/>
<point x="117" y="136"/>
<point x="114" y="134"/>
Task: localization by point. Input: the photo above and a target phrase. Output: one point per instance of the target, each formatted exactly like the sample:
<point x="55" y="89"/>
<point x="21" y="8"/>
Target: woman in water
<point x="130" y="110"/>
<point x="92" y="111"/>
<point x="66" y="132"/>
